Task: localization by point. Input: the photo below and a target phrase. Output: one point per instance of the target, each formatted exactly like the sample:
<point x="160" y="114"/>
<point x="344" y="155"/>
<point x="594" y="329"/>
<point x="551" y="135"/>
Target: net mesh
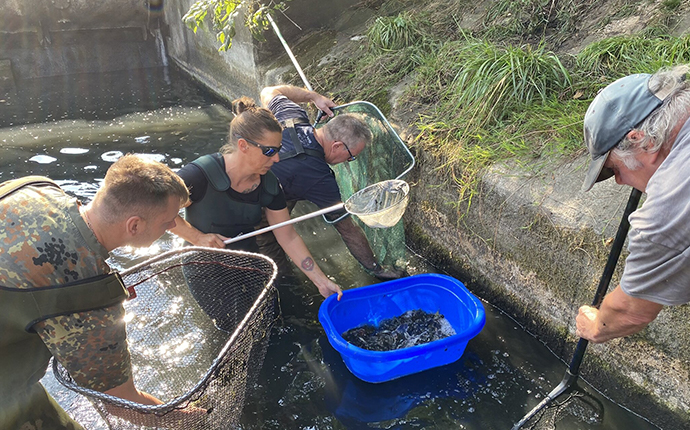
<point x="198" y="332"/>
<point x="386" y="158"/>
<point x="380" y="205"/>
<point x="577" y="407"/>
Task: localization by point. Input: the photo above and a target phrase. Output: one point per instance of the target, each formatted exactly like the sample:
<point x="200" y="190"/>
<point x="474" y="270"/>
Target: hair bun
<point x="242" y="104"/>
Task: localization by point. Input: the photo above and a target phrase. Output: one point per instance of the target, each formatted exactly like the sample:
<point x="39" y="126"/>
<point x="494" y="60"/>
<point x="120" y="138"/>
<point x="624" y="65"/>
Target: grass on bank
<point x="533" y="18"/>
<point x="619" y="56"/>
<point x="482" y="94"/>
<point x="482" y="101"/>
<point x="395" y="47"/>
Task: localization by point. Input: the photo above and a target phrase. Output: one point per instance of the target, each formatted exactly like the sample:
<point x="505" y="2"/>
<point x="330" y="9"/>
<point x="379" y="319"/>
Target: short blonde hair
<point x="136" y="185"/>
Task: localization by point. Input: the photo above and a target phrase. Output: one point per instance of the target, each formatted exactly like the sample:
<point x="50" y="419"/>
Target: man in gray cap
<point x="637" y="130"/>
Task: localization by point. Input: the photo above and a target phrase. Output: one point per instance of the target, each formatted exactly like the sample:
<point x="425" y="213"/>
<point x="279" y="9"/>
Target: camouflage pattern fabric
<point x="42" y="246"/>
<point x="34" y="409"/>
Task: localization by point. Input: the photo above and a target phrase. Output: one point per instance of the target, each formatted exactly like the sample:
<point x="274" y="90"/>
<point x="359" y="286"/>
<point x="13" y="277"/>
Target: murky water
<point x="72" y="129"/>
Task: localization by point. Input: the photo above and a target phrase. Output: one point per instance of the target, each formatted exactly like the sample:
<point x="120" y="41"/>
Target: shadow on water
<point x="72" y="129"/>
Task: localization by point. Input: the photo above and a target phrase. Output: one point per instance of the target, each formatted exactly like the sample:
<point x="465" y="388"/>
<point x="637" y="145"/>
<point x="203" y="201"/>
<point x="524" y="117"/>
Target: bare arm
<point x="298" y="95"/>
<point x="129" y="392"/>
<point x="619" y="315"/>
<point x="192" y="235"/>
<point x="356" y="241"/>
<point x="179" y="419"/>
<point x="295" y="248"/>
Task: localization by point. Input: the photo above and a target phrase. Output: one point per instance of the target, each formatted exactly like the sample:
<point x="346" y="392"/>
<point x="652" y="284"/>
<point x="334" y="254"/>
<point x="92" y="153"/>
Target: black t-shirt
<point x="197" y="183"/>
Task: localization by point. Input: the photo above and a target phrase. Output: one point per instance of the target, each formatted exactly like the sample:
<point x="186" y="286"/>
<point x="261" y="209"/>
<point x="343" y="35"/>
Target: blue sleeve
<point x="324" y="193"/>
<point x="308" y="178"/>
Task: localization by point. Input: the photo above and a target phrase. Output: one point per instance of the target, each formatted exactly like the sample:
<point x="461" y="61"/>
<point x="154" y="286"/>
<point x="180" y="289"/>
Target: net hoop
<point x="380" y="205"/>
<point x="182" y="401"/>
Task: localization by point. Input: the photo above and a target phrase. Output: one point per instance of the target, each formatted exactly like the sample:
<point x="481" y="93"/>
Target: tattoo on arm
<point x="308" y="264"/>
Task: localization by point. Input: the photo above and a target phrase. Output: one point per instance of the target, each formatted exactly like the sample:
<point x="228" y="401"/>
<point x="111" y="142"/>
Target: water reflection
<point x="81" y="127"/>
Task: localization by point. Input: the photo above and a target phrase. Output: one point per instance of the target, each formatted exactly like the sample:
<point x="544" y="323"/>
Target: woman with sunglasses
<point x="228" y="190"/>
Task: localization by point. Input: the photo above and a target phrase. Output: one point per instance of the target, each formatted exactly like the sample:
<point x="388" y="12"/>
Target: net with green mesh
<point x="197" y="330"/>
<point x="385" y="158"/>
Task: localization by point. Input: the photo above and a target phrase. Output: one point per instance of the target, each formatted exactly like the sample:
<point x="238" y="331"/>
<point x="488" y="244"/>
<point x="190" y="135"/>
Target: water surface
<point x="72" y="129"/>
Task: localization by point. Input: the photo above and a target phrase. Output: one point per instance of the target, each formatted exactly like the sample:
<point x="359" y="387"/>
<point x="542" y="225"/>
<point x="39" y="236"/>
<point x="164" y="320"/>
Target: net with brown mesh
<point x="577" y="407"/>
<point x="198" y="331"/>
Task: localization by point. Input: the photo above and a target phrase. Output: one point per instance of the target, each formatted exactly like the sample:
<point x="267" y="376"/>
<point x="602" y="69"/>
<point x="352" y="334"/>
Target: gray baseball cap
<point x="616" y="110"/>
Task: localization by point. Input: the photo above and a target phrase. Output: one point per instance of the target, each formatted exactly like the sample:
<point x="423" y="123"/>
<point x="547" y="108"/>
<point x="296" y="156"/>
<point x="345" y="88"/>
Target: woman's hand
<point x="211" y="240"/>
<point x="328" y="287"/>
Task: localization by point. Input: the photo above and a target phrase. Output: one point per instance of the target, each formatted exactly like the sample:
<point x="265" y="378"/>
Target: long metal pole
<point x="572" y="374"/>
<point x="284" y="223"/>
<point x="289" y="52"/>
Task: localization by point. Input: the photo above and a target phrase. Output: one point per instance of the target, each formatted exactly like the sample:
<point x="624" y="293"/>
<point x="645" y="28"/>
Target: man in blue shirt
<point x="305" y="158"/>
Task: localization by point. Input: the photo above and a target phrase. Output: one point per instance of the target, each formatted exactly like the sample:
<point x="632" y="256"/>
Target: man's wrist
<point x="375" y="267"/>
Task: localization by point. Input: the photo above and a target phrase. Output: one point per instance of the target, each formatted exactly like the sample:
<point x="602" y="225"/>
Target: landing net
<point x="380" y="205"/>
<point x="386" y="158"/>
<point x="197" y="331"/>
<point x="578" y="407"/>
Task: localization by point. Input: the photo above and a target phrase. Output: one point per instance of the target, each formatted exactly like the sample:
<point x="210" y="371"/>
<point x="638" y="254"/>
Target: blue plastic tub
<point x="374" y="303"/>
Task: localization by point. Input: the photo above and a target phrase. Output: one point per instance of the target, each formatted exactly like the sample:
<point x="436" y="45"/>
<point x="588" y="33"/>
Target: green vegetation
<point x="483" y="89"/>
<point x="619" y="56"/>
<point x="395" y="47"/>
<point x="223" y="14"/>
<point x="670" y="5"/>
<point x="391" y="33"/>
<point x="532" y="18"/>
<point x="500" y="93"/>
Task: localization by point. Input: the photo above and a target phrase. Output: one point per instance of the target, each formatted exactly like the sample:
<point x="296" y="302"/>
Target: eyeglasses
<point x="352" y="157"/>
<point x="268" y="151"/>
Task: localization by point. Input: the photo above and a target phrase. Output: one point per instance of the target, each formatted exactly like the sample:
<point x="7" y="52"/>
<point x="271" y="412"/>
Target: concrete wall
<point x="55" y="15"/>
<point x="535" y="245"/>
<point x="248" y="65"/>
<point x="229" y="74"/>
<point x="40" y="38"/>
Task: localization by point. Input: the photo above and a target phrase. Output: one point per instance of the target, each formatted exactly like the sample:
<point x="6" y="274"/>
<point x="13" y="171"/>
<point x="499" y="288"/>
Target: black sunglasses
<point x="352" y="157"/>
<point x="268" y="151"/>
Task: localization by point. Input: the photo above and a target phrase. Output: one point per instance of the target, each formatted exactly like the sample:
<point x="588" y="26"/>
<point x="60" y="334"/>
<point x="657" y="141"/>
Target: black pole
<point x="571" y="375"/>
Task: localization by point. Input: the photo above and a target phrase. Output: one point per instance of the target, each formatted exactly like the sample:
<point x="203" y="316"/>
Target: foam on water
<point x="74" y="151"/>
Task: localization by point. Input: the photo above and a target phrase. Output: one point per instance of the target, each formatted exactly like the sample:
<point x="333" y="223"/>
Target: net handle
<point x="323" y="211"/>
<point x="284" y="223"/>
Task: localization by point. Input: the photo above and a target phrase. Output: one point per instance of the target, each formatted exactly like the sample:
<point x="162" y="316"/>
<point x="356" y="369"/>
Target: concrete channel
<point x="530" y="242"/>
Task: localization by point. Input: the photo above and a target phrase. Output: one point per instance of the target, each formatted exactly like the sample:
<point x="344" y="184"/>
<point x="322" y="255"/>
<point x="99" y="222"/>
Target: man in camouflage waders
<point x="57" y="295"/>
